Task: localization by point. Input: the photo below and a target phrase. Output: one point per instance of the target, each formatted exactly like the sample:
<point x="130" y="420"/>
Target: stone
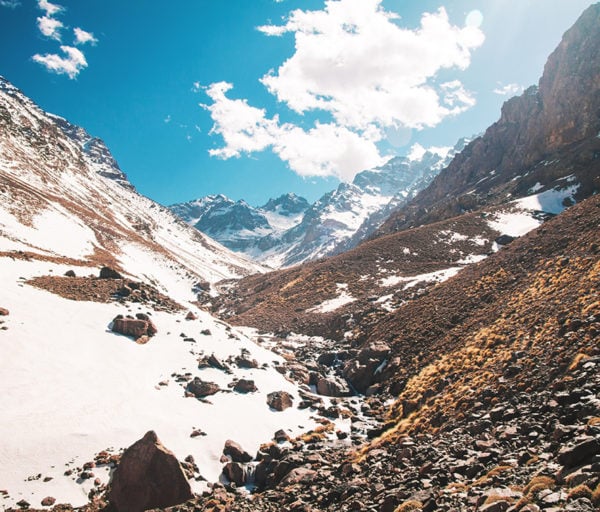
<point x="4" y="312"/>
<point x="200" y="388"/>
<point x="133" y="327"/>
<point x="299" y="475"/>
<point x="70" y="273"/>
<point x="279" y="400"/>
<point x="332" y="387"/>
<point x="496" y="506"/>
<point x="48" y="501"/>
<point x="246" y="362"/>
<point x="235" y="472"/>
<point x="245" y="386"/>
<point x="236" y="452"/>
<point x="109" y="273"/>
<point x="191" y="316"/>
<point x="148" y="476"/>
<point x="571" y="456"/>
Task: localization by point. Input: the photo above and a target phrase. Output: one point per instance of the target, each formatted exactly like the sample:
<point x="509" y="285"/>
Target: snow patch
<point x="337" y="302"/>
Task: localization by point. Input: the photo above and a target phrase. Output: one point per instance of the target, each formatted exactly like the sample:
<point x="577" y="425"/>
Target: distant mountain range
<point x="288" y="230"/>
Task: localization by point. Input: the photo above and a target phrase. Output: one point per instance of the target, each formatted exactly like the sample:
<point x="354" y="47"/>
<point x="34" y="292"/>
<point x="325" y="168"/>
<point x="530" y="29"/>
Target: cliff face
<point x="548" y="133"/>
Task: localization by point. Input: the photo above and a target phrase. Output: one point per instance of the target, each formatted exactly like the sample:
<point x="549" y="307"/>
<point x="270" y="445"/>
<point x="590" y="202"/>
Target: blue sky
<point x="257" y="98"/>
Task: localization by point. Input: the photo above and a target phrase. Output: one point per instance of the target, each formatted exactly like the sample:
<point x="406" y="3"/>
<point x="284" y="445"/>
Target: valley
<point x="424" y="338"/>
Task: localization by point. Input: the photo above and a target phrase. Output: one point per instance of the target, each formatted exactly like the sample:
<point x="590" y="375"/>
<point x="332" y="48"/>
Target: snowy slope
<point x="72" y="387"/>
<point x="62" y="194"/>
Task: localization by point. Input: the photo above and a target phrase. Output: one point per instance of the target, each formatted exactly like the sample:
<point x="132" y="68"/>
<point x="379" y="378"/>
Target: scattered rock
<point x="4" y="312"/>
<point x="148" y="476"/>
<point x="191" y="316"/>
<point x="235" y="472"/>
<point x="70" y="273"/>
<point x="279" y="400"/>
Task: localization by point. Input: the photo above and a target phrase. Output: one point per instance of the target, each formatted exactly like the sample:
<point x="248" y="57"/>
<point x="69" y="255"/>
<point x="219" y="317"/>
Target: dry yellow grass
<point x="581" y="491"/>
<point x="407" y="506"/>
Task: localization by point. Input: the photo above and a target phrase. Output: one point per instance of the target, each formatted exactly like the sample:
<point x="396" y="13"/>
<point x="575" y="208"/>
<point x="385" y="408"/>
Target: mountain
<point x="287" y="230"/>
<point x="236" y="224"/>
<point x="545" y="138"/>
<point x="101" y="337"/>
<point x="64" y="196"/>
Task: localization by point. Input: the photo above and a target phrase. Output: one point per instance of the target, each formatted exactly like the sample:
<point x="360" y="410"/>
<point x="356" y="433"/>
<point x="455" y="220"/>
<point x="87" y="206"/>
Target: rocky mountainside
<point x="287" y="230"/>
<point x="550" y="132"/>
<point x="64" y="196"/>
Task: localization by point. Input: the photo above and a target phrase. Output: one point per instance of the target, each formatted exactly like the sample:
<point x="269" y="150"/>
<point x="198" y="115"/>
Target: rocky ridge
<point x="546" y="134"/>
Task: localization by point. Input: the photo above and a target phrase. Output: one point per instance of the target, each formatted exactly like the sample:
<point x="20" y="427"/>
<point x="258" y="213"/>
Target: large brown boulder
<point x="236" y="452"/>
<point x="109" y="273"/>
<point x="148" y="476"/>
<point x="134" y="327"/>
<point x="279" y="400"/>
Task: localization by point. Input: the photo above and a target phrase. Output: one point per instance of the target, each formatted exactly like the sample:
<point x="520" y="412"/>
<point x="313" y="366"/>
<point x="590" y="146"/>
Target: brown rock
<point x="298" y="475"/>
<point x="70" y="273"/>
<point x="236" y="452"/>
<point x="235" y="473"/>
<point x="279" y="400"/>
<point x="245" y="386"/>
<point x="200" y="388"/>
<point x="48" y="501"/>
<point x="572" y="456"/>
<point x="191" y="316"/>
<point x="331" y="387"/>
<point x="148" y="476"/>
<point x="4" y="312"/>
<point x="135" y="328"/>
<point x="109" y="273"/>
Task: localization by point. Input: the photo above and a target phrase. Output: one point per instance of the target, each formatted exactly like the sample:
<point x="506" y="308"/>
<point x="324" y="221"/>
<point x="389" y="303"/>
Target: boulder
<point x="48" y="501"/>
<point x="109" y="273"/>
<point x="245" y="386"/>
<point x="70" y="273"/>
<point x="4" y="312"/>
<point x="572" y="456"/>
<point x="235" y="472"/>
<point x="245" y="362"/>
<point x="236" y="452"/>
<point x="200" y="388"/>
<point x="134" y="327"/>
<point x="298" y="475"/>
<point x="279" y="400"/>
<point x="191" y="316"/>
<point x="332" y="387"/>
<point x="148" y="476"/>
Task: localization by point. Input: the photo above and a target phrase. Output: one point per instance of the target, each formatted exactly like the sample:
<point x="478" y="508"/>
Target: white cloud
<point x="167" y="119"/>
<point x="508" y="89"/>
<point x="50" y="27"/>
<point x="354" y="63"/>
<point x="11" y="4"/>
<point x="70" y="65"/>
<point x="324" y="150"/>
<point x="50" y="8"/>
<point x="417" y="151"/>
<point x="354" y="60"/>
<point x="83" y="37"/>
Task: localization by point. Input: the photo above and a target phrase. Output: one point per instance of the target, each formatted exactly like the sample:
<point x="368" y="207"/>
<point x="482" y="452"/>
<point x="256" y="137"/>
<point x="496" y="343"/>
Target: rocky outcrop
<point x="148" y="476"/>
<point x="557" y="120"/>
<point x="109" y="273"/>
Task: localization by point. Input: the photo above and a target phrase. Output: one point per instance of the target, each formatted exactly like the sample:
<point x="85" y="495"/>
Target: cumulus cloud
<point x="508" y="89"/>
<point x="50" y="8"/>
<point x="71" y="64"/>
<point x="83" y="37"/>
<point x="50" y="27"/>
<point x="324" y="150"/>
<point x="354" y="63"/>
